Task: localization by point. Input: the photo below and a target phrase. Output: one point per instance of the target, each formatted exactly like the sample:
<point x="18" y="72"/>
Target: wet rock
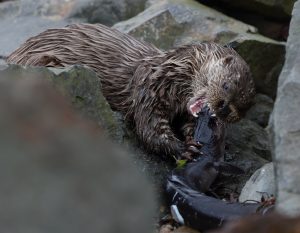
<point x="261" y="183"/>
<point x="261" y="110"/>
<point x="171" y="23"/>
<point x="57" y="173"/>
<point x="281" y="9"/>
<point x="285" y="124"/>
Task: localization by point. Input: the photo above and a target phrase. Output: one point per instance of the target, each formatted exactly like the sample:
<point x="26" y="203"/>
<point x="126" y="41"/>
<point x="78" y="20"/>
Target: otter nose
<point x="225" y="110"/>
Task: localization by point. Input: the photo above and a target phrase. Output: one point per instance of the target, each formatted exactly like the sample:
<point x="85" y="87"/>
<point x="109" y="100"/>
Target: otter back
<point x="114" y="56"/>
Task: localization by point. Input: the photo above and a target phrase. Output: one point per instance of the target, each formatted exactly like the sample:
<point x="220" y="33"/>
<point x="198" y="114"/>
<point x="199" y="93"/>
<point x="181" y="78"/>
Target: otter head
<point x="225" y="85"/>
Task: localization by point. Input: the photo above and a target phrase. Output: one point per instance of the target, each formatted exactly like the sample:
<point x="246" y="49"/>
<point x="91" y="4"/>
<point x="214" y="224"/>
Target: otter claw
<point x="187" y="155"/>
<point x="194" y="150"/>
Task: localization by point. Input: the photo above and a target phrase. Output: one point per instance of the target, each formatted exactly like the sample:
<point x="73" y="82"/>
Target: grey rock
<point x="106" y="11"/>
<point x="58" y="174"/>
<point x="265" y="58"/>
<point x="261" y="183"/>
<point x="184" y="22"/>
<point x="82" y="87"/>
<point x="261" y="110"/>
<point x="25" y="18"/>
<point x="285" y="124"/>
<point x="171" y="23"/>
<point x="22" y="19"/>
<point x="248" y="148"/>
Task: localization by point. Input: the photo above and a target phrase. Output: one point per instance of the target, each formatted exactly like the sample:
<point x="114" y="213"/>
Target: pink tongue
<point x="196" y="107"/>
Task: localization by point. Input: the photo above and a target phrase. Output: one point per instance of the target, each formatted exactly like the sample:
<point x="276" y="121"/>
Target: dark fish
<point x="186" y="187"/>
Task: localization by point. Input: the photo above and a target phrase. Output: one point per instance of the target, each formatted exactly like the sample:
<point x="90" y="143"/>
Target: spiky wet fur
<point x="150" y="87"/>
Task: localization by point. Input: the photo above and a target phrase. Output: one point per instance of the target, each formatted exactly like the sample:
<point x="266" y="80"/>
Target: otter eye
<point x="225" y="86"/>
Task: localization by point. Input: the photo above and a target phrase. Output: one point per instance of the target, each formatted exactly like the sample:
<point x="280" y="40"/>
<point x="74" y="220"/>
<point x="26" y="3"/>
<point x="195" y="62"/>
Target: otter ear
<point x="227" y="60"/>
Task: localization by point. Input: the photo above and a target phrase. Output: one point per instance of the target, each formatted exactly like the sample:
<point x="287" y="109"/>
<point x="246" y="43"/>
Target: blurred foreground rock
<point x="58" y="173"/>
<point x="286" y="124"/>
<point x="170" y="23"/>
<point x="82" y="87"/>
<point x="271" y="223"/>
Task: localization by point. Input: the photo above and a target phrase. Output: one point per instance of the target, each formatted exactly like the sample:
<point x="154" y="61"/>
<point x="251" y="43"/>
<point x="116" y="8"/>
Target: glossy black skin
<point x="186" y="187"/>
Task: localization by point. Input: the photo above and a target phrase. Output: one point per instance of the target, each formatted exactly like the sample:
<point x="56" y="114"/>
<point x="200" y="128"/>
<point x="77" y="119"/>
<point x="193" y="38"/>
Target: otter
<point x="149" y="86"/>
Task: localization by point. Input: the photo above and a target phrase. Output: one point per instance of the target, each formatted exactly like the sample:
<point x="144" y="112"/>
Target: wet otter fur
<point x="149" y="86"/>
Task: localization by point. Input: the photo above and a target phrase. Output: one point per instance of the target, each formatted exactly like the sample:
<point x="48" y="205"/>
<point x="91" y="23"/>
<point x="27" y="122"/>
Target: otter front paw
<point x="192" y="149"/>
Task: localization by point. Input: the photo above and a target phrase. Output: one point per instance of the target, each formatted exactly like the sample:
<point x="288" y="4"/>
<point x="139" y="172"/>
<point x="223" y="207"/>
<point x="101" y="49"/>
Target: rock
<point x="181" y="22"/>
<point x="106" y="11"/>
<point x="261" y="110"/>
<point x="247" y="147"/>
<point x="277" y="9"/>
<point x="285" y="124"/>
<point x="261" y="183"/>
<point x="25" y="18"/>
<point x="269" y="223"/>
<point x="82" y="87"/>
<point x="22" y="19"/>
<point x="265" y="58"/>
<point x="172" y="23"/>
<point x="57" y="173"/>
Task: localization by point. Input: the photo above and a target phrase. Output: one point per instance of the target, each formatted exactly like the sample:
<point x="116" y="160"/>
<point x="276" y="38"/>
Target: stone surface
<point x="265" y="58"/>
<point x="278" y="9"/>
<point x="261" y="183"/>
<point x="247" y="147"/>
<point x="182" y="22"/>
<point x="107" y="12"/>
<point x="261" y="110"/>
<point x="22" y="19"/>
<point x="172" y="23"/>
<point x="286" y="124"/>
<point x="57" y="173"/>
<point x="82" y="87"/>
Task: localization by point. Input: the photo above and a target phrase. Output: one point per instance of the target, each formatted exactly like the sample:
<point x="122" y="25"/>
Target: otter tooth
<point x="195" y="114"/>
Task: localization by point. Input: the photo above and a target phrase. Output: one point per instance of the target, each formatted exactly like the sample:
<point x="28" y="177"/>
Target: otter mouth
<point x="195" y="105"/>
